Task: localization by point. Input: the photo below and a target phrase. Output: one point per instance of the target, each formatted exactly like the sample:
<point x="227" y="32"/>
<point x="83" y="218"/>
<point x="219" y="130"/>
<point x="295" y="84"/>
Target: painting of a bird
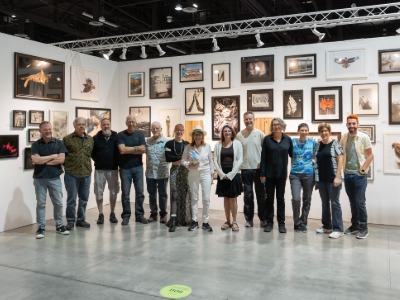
<point x="346" y="62"/>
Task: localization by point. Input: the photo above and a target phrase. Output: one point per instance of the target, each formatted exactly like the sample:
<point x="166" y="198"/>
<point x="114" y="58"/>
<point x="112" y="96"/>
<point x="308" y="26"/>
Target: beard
<point x="107" y="132"/>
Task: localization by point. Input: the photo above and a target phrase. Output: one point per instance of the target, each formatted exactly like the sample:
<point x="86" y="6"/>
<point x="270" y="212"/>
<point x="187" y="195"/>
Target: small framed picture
<point x="326" y="104"/>
<point x="300" y="66"/>
<point x="257" y="69"/>
<point x="389" y="61"/>
<point x="293" y="104"/>
<point x="10" y="146"/>
<point x="391" y="153"/>
<point x="33" y="135"/>
<point x="394" y="103"/>
<point x="36" y="116"/>
<point x="143" y="118"/>
<point x="260" y="100"/>
<point x="194" y="101"/>
<point x="161" y="83"/>
<point x="191" y="72"/>
<point x="28" y="159"/>
<point x="19" y="118"/>
<point x="225" y="111"/>
<point x="368" y="130"/>
<point x="221" y="76"/>
<point x="136" y="84"/>
<point x="365" y="99"/>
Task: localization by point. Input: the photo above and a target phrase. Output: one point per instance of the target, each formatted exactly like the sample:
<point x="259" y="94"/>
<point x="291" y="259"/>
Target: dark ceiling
<point x="51" y="21"/>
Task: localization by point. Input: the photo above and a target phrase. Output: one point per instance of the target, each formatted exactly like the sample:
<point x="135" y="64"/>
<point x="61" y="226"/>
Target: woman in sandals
<point x="228" y="157"/>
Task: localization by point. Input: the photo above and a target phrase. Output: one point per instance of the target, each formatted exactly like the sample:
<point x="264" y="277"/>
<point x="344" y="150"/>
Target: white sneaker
<point x="336" y="235"/>
<point x="323" y="230"/>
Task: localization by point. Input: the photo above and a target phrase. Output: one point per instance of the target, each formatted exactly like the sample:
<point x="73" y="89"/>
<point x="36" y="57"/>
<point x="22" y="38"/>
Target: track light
<point x="123" y="55"/>
<point x="317" y="33"/>
<point x="143" y="55"/>
<point x="215" y="47"/>
<point x="398" y="31"/>
<point x="108" y="54"/>
<point x="160" y="50"/>
<point x="178" y="7"/>
<point x="258" y="39"/>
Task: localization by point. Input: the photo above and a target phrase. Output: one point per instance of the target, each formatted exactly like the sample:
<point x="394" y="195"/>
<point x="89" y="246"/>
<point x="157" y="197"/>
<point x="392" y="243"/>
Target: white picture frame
<point x="391" y="161"/>
<point x="365" y="99"/>
<point x="349" y="63"/>
<point x="59" y="122"/>
<point x="84" y="84"/>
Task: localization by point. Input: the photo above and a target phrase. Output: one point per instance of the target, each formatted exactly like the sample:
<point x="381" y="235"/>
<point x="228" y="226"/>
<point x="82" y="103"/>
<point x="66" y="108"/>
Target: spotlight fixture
<point x="178" y="7"/>
<point x="317" y="33"/>
<point x="170" y="19"/>
<point x="353" y="5"/>
<point x="195" y="5"/>
<point x="258" y="39"/>
<point x="108" y="54"/>
<point x="215" y="45"/>
<point x="123" y="55"/>
<point x="143" y="55"/>
<point x="100" y="22"/>
<point x="160" y="50"/>
<point x="398" y="30"/>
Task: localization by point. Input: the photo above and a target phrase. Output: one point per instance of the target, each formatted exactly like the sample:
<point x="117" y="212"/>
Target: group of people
<point x="245" y="162"/>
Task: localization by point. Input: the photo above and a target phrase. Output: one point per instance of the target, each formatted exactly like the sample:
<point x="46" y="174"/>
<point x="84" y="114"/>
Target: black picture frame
<point x="326" y="104"/>
<point x="93" y="117"/>
<point x="300" y="66"/>
<point x="28" y="159"/>
<point x="9" y="146"/>
<point x="194" y="101"/>
<point x="160" y="83"/>
<point x="257" y="69"/>
<point x="394" y="103"/>
<point x="293" y="104"/>
<point x="33" y="135"/>
<point x="225" y="111"/>
<point x="389" y="61"/>
<point x="260" y="100"/>
<point x="36" y="116"/>
<point x="190" y="72"/>
<point x="19" y="118"/>
<point x="221" y="76"/>
<point x="143" y="118"/>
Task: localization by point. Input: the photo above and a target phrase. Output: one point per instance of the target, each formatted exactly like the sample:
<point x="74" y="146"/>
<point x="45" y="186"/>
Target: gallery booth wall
<point x="18" y="202"/>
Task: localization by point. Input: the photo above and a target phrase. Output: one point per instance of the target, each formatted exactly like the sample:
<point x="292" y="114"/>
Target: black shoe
<point x="268" y="227"/>
<point x="172" y="224"/>
<point x="62" y="230"/>
<point x="163" y="219"/>
<point x="125" y="221"/>
<point x="193" y="226"/>
<point x="40" y="233"/>
<point x="70" y="226"/>
<point x="297" y="228"/>
<point x="113" y="219"/>
<point x="206" y="227"/>
<point x="142" y="220"/>
<point x="82" y="224"/>
<point x="100" y="220"/>
<point x="352" y="230"/>
<point x="282" y="228"/>
<point x="152" y="218"/>
<point x="362" y="234"/>
<point x="303" y="228"/>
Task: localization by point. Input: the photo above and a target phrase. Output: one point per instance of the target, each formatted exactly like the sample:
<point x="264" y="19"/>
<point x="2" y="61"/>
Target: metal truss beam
<point x="330" y="18"/>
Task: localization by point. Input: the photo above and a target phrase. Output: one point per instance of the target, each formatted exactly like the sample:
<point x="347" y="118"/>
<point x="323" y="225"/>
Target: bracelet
<point x="134" y="148"/>
<point x="361" y="171"/>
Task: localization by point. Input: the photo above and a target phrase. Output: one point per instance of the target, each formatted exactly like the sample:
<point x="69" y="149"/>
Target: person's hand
<point x="336" y="181"/>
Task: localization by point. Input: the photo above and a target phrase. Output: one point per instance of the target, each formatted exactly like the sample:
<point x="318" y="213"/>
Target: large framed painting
<point x="136" y="84"/>
<point x="365" y="99"/>
<point x="225" y="111"/>
<point x="9" y="146"/>
<point x="260" y="100"/>
<point x="36" y="116"/>
<point x="93" y="118"/>
<point x="59" y="121"/>
<point x="300" y="66"/>
<point x="33" y="135"/>
<point x="161" y="83"/>
<point x="39" y="78"/>
<point x="191" y="72"/>
<point x="84" y="84"/>
<point x="221" y="76"/>
<point x="194" y="101"/>
<point x="257" y="69"/>
<point x="368" y="130"/>
<point x="293" y="104"/>
<point x="394" y="103"/>
<point x="391" y="153"/>
<point x="19" y="119"/>
<point x="168" y="119"/>
<point x="28" y="165"/>
<point x="143" y="118"/>
<point x="389" y="61"/>
<point x="326" y="104"/>
<point x="346" y="64"/>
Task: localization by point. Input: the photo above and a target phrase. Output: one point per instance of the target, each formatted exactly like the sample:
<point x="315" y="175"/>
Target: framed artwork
<point x="260" y="100"/>
<point x="300" y="66"/>
<point x="194" y="101"/>
<point x="257" y="69"/>
<point x="389" y="61"/>
<point x="93" y="117"/>
<point x="391" y="153"/>
<point x="394" y="103"/>
<point x="225" y="111"/>
<point x="33" y="135"/>
<point x="36" y="116"/>
<point x="28" y="159"/>
<point x="316" y="136"/>
<point x="346" y="64"/>
<point x="370" y="174"/>
<point x="136" y="84"/>
<point x="84" y="84"/>
<point x="19" y="119"/>
<point x="59" y="122"/>
<point x="161" y="83"/>
<point x="168" y="119"/>
<point x="191" y="72"/>
<point x="9" y="146"/>
<point x="293" y="104"/>
<point x="143" y="118"/>
<point x="365" y="99"/>
<point x="39" y="78"/>
<point x="326" y="104"/>
<point x="221" y="76"/>
<point x="368" y="130"/>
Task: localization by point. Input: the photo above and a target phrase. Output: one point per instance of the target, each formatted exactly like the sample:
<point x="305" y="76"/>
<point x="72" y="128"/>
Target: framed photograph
<point x="33" y="135"/>
<point x="39" y="78"/>
<point x="9" y="146"/>
<point x="221" y="76"/>
<point x="191" y="72"/>
<point x="365" y="99"/>
<point x="168" y="119"/>
<point x="194" y="101"/>
<point x="225" y="111"/>
<point x="257" y="69"/>
<point x="394" y="103"/>
<point x="36" y="116"/>
<point x="161" y="83"/>
<point x="260" y="100"/>
<point x="300" y="66"/>
<point x="370" y="174"/>
<point x="28" y="159"/>
<point x="143" y="118"/>
<point x="368" y="130"/>
<point x="391" y="153"/>
<point x="316" y="136"/>
<point x="346" y="64"/>
<point x="389" y="61"/>
<point x="136" y="84"/>
<point x="326" y="104"/>
<point x="59" y="122"/>
<point x="19" y="119"/>
<point x="84" y="84"/>
<point x="93" y="117"/>
<point x="293" y="104"/>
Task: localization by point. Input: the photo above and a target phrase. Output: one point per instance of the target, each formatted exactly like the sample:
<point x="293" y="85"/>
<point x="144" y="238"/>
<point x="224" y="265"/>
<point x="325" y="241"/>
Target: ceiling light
<point x="169" y="19"/>
<point x="195" y="5"/>
<point x="317" y="33"/>
<point x="100" y="21"/>
<point x="398" y="30"/>
<point x="178" y="7"/>
<point x="123" y="55"/>
<point x="160" y="50"/>
<point x="258" y="39"/>
<point x="108" y="54"/>
<point x="143" y="55"/>
<point x="215" y="45"/>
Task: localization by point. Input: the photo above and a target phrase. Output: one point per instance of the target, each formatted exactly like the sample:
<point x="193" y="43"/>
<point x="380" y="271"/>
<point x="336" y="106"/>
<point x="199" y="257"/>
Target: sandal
<point x="225" y="226"/>
<point x="235" y="227"/>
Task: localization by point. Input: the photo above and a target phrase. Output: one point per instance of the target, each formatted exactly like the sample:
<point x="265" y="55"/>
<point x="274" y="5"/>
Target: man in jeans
<point x="78" y="167"/>
<point x="358" y="156"/>
<point x="48" y="154"/>
<point x="251" y="139"/>
<point x="131" y="145"/>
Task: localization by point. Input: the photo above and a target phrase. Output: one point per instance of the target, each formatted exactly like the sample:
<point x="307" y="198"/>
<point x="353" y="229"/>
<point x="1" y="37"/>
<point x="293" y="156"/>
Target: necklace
<point x="176" y="153"/>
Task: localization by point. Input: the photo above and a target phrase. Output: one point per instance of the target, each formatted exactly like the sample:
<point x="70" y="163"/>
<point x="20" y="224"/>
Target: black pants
<point x="249" y="177"/>
<point x="278" y="185"/>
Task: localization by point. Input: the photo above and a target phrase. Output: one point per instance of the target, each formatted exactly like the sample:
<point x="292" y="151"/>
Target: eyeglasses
<point x="179" y="130"/>
<point x="276" y="124"/>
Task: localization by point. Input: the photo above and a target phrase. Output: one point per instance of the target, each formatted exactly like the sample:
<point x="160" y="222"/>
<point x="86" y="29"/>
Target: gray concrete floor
<point x="135" y="262"/>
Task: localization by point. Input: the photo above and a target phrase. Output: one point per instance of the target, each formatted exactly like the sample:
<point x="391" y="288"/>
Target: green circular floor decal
<point x="175" y="291"/>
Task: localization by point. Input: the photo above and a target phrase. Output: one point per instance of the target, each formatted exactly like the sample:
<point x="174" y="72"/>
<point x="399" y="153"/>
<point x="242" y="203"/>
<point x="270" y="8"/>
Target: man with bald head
<point x="157" y="173"/>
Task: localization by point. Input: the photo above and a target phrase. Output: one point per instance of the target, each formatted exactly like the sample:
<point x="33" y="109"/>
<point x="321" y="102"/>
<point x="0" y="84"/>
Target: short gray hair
<point x="280" y="121"/>
<point x="77" y="119"/>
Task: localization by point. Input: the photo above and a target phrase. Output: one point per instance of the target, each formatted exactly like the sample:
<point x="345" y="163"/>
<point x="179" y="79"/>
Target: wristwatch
<point x="361" y="171"/>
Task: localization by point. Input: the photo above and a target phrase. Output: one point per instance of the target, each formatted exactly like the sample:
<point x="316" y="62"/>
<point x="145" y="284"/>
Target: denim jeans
<point x="76" y="186"/>
<point x="202" y="178"/>
<point x="128" y="176"/>
<point x="298" y="182"/>
<point x="53" y="185"/>
<point x="356" y="186"/>
<point x="330" y="202"/>
<point x="250" y="177"/>
<point x="271" y="185"/>
<point x="160" y="185"/>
